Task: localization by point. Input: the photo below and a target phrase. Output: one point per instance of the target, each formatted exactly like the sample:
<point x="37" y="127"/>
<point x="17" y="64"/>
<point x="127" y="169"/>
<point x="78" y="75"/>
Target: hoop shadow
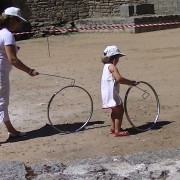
<point x="48" y="130"/>
<point x="157" y="126"/>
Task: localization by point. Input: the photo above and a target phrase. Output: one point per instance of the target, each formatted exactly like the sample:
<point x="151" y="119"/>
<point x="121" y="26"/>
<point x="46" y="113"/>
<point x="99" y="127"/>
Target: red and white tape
<point x="98" y="28"/>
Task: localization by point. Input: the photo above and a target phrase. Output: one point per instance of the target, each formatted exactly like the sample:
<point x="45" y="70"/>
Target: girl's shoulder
<point x="111" y="67"/>
<point x="108" y="64"/>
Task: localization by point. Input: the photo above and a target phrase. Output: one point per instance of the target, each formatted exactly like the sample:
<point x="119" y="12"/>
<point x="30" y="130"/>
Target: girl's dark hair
<point x="109" y="59"/>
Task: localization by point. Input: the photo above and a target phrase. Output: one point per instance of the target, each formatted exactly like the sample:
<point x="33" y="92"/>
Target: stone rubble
<point x="164" y="164"/>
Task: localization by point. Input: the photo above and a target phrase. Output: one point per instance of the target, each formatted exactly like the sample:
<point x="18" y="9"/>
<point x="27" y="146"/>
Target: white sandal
<point x="21" y="134"/>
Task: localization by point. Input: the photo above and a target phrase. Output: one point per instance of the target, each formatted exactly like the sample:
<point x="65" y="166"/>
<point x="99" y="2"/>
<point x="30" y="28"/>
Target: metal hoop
<point x="89" y="114"/>
<point x="157" y="105"/>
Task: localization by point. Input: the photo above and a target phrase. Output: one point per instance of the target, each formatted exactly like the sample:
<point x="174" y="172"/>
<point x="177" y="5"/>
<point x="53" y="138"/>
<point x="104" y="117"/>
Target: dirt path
<point x="152" y="57"/>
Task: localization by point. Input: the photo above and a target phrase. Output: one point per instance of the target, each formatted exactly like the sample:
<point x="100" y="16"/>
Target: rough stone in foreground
<point x="164" y="164"/>
<point x="13" y="170"/>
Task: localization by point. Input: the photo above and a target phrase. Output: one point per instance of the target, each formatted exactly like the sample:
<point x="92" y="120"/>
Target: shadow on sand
<point x="157" y="126"/>
<point x="48" y="130"/>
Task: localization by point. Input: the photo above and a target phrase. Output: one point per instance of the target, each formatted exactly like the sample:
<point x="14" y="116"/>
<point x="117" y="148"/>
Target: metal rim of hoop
<point x="157" y="107"/>
<point x="90" y="113"/>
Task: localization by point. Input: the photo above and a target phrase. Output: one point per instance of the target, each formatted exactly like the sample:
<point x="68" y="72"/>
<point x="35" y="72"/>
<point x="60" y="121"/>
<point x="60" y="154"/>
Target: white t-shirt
<point x="6" y="38"/>
<point x="109" y="89"/>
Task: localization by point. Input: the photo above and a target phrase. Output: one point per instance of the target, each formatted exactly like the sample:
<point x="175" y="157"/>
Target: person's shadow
<point x="48" y="130"/>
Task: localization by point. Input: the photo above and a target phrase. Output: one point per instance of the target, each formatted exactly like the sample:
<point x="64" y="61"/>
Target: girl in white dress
<point x="111" y="78"/>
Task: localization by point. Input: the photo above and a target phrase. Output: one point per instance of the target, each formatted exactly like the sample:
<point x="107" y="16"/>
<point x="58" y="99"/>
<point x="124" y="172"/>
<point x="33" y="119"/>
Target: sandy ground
<point x="152" y="57"/>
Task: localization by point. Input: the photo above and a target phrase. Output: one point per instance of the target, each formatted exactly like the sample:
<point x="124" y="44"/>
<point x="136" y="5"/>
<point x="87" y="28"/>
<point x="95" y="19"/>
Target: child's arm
<point x="113" y="69"/>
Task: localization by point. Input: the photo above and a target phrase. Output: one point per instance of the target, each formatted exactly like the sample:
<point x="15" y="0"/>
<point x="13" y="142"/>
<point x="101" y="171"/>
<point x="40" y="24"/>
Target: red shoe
<point x="120" y="134"/>
<point x="112" y="131"/>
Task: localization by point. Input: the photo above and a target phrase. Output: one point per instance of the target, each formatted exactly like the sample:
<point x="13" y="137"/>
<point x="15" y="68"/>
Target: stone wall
<point x="55" y="10"/>
<point x="46" y="14"/>
<point x="166" y="7"/>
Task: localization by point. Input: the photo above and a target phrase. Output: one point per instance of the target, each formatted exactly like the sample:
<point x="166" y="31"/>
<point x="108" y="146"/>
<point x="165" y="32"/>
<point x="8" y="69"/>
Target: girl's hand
<point x="33" y="72"/>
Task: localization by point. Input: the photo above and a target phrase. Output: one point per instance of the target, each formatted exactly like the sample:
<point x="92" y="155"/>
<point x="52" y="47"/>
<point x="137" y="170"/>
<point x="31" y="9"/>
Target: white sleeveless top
<point x="109" y="89"/>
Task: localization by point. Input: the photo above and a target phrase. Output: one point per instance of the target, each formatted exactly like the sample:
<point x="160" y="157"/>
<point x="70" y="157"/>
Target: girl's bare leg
<point x="112" y="121"/>
<point x="117" y="117"/>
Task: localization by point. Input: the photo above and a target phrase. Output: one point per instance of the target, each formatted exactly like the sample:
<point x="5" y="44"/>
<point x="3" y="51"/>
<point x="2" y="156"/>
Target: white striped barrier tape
<point x="98" y="28"/>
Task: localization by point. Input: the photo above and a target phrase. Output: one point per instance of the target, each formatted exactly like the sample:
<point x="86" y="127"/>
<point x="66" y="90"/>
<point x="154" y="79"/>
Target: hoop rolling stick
<point x="70" y="108"/>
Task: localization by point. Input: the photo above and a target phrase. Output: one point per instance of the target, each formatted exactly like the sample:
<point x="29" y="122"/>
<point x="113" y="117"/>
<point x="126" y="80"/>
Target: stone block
<point x="126" y="10"/>
<point x="144" y="9"/>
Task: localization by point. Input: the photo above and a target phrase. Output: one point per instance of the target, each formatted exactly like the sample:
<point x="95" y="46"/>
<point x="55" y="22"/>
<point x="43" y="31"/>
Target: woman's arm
<point x="11" y="54"/>
<point x="113" y="69"/>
